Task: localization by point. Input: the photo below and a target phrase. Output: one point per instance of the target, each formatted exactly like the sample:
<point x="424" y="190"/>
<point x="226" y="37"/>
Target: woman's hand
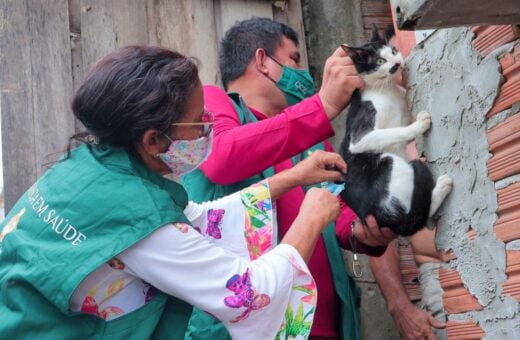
<point x="371" y="234"/>
<point x="319" y="167"/>
<point x="319" y="208"/>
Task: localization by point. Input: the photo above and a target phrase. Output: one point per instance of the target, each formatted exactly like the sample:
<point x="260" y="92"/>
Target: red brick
<point x="512" y="285"/>
<point x="510" y="90"/>
<point x="507" y="226"/>
<point x="464" y="330"/>
<point x="504" y="144"/>
<point x="489" y="37"/>
<point x="456" y="298"/>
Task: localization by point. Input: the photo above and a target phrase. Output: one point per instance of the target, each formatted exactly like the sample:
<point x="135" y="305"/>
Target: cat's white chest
<point x="390" y="107"/>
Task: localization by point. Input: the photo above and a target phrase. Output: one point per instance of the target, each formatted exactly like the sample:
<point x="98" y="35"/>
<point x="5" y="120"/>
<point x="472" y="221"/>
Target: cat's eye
<point x="380" y="61"/>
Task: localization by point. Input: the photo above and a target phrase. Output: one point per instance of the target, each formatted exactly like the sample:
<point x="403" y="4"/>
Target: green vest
<point x="200" y="188"/>
<point x="77" y="216"/>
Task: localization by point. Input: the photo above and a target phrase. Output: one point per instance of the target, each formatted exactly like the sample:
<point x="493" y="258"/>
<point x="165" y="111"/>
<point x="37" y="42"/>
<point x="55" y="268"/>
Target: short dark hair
<point x="241" y="41"/>
<point x="134" y="89"/>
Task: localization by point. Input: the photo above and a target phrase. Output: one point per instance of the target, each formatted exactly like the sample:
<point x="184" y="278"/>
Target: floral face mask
<point x="184" y="156"/>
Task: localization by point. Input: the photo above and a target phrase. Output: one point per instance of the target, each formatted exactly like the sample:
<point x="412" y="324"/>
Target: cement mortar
<point x="449" y="79"/>
<point x="507" y="181"/>
<point x="513" y="245"/>
<point x="432" y="294"/>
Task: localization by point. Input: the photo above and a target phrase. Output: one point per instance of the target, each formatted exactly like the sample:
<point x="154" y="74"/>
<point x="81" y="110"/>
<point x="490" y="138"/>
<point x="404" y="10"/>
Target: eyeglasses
<point x="207" y="123"/>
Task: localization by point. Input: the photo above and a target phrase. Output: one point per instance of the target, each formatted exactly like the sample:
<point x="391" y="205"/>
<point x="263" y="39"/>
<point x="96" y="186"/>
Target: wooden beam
<point x="429" y="14"/>
<point x="36" y="119"/>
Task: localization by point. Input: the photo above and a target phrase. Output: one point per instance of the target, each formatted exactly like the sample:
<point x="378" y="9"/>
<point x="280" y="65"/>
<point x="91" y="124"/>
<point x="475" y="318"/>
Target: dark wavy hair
<point x="131" y="90"/>
<point x="241" y="41"/>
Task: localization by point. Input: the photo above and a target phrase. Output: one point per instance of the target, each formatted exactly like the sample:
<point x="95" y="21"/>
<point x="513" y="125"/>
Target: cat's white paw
<point x="444" y="184"/>
<point x="357" y="148"/>
<point x="424" y="121"/>
<point x="442" y="189"/>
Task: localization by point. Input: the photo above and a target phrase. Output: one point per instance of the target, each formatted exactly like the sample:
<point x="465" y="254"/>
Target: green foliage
<point x="295" y="325"/>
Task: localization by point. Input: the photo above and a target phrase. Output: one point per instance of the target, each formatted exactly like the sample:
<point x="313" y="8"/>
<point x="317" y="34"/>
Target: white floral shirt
<point x="227" y="263"/>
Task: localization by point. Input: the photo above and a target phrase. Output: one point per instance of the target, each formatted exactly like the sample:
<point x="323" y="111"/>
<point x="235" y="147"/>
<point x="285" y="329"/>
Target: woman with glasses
<point x="104" y="246"/>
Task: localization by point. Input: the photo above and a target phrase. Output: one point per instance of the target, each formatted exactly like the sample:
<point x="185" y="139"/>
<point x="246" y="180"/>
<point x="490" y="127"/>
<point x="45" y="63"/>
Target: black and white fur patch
<point x="380" y="181"/>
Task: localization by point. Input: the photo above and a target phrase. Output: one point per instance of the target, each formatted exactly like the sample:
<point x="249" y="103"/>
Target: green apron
<point x="200" y="189"/>
<point x="77" y="216"/>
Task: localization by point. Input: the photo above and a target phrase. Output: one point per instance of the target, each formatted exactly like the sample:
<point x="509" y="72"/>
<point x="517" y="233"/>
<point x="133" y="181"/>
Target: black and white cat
<point x="380" y="181"/>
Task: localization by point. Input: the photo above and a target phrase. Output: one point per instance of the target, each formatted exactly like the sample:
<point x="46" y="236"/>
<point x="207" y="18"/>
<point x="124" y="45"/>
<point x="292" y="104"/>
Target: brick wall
<point x="473" y="313"/>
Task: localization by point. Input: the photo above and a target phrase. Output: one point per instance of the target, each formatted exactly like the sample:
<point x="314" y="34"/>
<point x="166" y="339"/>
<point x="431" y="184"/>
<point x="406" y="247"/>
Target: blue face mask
<point x="295" y="84"/>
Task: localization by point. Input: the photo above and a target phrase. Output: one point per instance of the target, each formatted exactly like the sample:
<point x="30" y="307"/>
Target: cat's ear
<point x="375" y="34"/>
<point x="354" y="51"/>
<point x="347" y="49"/>
<point x="389" y="32"/>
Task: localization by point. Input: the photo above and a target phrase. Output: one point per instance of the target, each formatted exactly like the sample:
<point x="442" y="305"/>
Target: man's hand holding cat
<point x="371" y="234"/>
<point x="340" y="80"/>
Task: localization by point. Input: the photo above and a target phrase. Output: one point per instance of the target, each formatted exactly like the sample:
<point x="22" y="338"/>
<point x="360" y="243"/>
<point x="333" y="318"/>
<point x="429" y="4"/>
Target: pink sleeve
<point x="241" y="151"/>
<point x="344" y="222"/>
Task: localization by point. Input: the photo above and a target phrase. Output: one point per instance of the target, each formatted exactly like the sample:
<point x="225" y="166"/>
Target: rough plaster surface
<point x="447" y="78"/>
<point x="432" y="294"/>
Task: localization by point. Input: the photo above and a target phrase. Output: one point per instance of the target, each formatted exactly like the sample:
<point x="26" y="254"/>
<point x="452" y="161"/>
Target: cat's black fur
<point x="368" y="176"/>
<point x="366" y="185"/>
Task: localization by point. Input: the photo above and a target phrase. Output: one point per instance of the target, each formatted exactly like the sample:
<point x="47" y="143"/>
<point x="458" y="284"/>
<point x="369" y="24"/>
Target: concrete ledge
<point x="428" y="14"/>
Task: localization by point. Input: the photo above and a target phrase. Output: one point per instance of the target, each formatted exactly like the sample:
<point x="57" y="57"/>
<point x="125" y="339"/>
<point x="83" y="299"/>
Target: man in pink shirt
<point x="268" y="120"/>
